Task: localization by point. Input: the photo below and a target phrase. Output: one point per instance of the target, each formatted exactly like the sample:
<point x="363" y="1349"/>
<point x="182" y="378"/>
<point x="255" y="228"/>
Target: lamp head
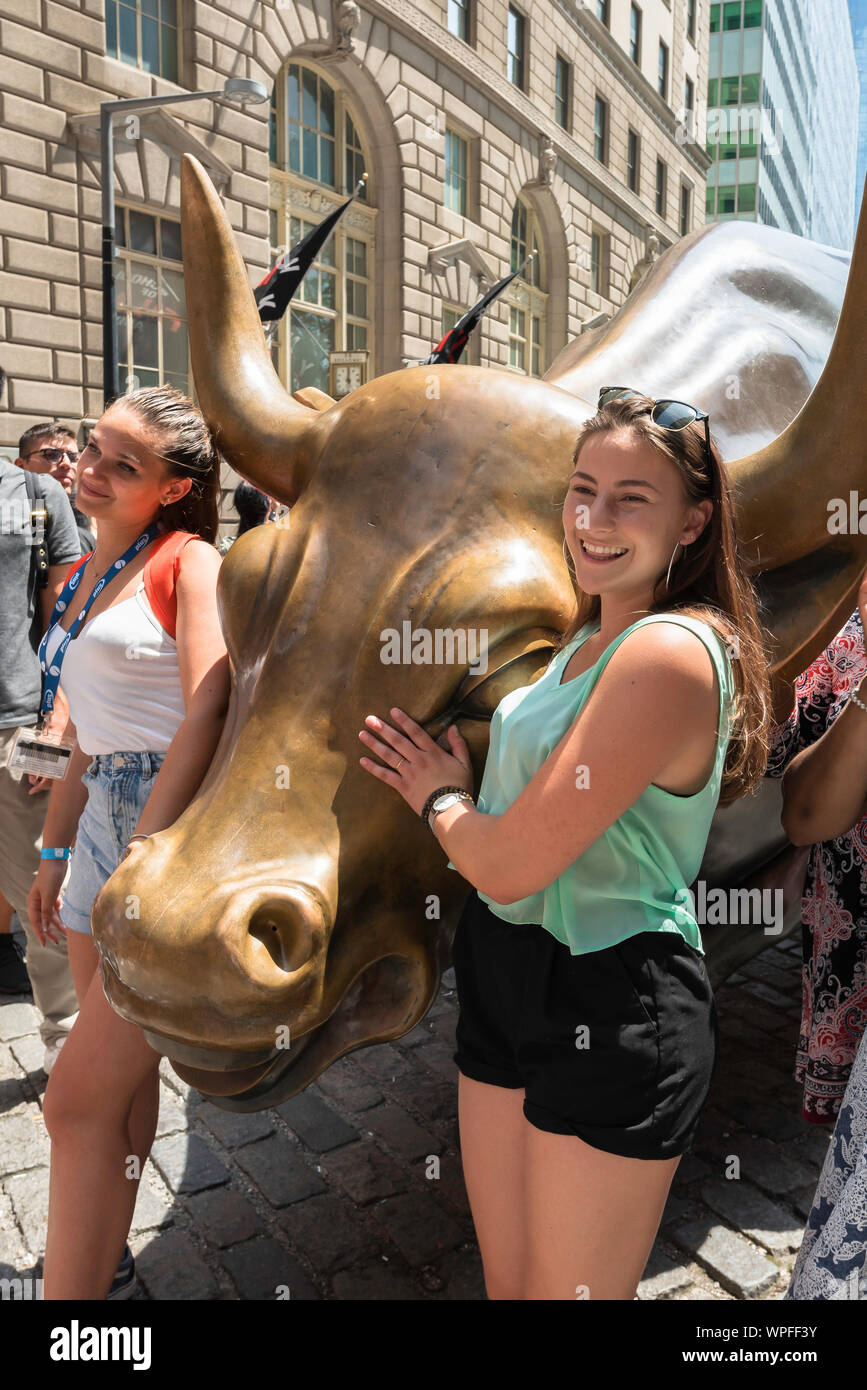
<point x="242" y="91"/>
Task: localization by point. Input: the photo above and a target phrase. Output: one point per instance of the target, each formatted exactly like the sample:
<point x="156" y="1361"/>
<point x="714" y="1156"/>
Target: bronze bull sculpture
<point x="297" y="909"/>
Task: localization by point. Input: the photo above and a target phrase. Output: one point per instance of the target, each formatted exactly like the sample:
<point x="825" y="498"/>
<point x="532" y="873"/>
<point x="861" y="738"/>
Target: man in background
<point x="51" y="448"/>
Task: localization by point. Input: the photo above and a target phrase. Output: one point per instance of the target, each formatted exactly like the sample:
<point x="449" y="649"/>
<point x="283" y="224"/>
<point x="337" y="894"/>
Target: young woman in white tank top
<point x="147" y="711"/>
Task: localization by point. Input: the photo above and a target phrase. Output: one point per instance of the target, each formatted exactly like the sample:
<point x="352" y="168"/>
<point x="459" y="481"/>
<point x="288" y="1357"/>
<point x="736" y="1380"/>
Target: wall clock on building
<point x="348" y="371"/>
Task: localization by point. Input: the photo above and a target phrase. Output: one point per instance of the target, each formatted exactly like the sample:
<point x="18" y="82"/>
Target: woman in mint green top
<point x="635" y="876"/>
<point x="586" y="1040"/>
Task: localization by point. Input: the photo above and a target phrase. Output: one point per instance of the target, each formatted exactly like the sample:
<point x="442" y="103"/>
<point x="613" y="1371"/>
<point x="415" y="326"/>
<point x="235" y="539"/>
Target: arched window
<point x="526" y="296"/>
<point x="317" y="158"/>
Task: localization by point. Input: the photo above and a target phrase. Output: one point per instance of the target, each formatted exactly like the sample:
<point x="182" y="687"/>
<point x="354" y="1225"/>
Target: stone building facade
<point x="486" y="130"/>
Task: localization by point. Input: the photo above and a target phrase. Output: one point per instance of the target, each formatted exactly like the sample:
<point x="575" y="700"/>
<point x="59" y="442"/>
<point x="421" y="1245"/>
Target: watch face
<point x="443" y="802"/>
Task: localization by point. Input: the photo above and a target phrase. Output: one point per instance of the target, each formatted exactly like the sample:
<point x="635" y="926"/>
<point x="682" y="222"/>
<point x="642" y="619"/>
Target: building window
<point x="456" y="173"/>
<point x="632" y="160"/>
<point x="729" y="91"/>
<point x="685" y="208"/>
<point x="515" y="47"/>
<point x="316" y="138"/>
<point x="714" y="19"/>
<point x="750" y="86"/>
<point x="525" y="238"/>
<point x="316" y="143"/>
<point x="151" y="307"/>
<point x="526" y="296"/>
<point x="600" y="130"/>
<point x="562" y="87"/>
<point x="635" y="34"/>
<point x="517" y="338"/>
<point x="330" y="310"/>
<point x="525" y="352"/>
<point x="599" y="263"/>
<point x="752" y="14"/>
<point x="602" y="13"/>
<point x="746" y="197"/>
<point x="144" y="33"/>
<point x="732" y="16"/>
<point x="535" y="345"/>
<point x="458" y="19"/>
<point x="689" y="94"/>
<point x="662" y="84"/>
<point x="690" y="20"/>
<point x="661" y="184"/>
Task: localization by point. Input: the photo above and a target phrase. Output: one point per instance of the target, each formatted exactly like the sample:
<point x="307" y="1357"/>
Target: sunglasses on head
<point x="55" y="455"/>
<point x="671" y="415"/>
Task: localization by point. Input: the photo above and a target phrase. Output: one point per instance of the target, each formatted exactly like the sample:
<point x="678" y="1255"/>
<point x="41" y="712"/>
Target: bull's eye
<point x="516" y="661"/>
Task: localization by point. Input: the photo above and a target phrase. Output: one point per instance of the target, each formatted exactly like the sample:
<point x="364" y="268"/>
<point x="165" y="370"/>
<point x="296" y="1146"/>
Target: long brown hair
<point x="187" y="445"/>
<point x="708" y="581"/>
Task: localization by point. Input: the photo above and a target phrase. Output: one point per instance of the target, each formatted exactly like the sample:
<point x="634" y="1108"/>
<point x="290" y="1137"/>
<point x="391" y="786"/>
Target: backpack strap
<point x="38" y="526"/>
<point x="161" y="571"/>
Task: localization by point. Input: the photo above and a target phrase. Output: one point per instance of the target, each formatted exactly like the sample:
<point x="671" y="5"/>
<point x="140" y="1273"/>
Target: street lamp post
<point x="238" y="91"/>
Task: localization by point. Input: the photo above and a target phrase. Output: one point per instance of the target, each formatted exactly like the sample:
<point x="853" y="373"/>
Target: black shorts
<point x="616" y="1046"/>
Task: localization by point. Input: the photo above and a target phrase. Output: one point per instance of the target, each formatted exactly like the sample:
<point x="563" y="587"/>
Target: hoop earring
<point x="670" y="563"/>
<point x="688" y="539"/>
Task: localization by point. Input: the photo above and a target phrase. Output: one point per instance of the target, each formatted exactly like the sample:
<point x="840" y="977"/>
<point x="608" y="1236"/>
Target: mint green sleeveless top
<point x="634" y="877"/>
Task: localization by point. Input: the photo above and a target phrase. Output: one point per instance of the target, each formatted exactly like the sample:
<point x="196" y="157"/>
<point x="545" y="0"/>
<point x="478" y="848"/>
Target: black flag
<point x="275" y="291"/>
<point x="453" y="344"/>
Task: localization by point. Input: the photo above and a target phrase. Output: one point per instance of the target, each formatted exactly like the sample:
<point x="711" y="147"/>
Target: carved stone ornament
<point x="547" y="161"/>
<point x="346" y="18"/>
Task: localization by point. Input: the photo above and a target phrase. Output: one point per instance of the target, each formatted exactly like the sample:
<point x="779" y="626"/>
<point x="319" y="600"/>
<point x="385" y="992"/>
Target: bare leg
<point x="88" y="1107"/>
<point x="592" y="1217"/>
<point x="493" y="1132"/>
<point x="84" y="965"/>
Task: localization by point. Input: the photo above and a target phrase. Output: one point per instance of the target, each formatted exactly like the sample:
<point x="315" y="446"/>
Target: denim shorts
<point x="616" y="1046"/>
<point x="118" y="785"/>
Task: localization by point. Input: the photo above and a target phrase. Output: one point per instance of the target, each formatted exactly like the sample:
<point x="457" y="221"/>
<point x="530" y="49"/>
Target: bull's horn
<point x="783" y="490"/>
<point x="269" y="438"/>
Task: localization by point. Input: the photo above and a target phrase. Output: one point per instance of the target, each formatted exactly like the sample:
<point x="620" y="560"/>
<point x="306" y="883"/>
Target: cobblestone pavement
<point x="327" y="1195"/>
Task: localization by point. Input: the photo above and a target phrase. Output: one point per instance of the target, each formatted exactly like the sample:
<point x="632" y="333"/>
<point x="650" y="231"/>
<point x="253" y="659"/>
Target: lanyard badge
<point x="37" y="750"/>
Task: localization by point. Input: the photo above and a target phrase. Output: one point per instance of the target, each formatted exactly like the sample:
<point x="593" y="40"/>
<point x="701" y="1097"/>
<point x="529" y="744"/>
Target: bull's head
<point x="296" y="893"/>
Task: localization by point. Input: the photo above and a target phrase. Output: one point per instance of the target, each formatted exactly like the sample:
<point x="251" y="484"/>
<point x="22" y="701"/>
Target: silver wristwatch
<point x="443" y="802"/>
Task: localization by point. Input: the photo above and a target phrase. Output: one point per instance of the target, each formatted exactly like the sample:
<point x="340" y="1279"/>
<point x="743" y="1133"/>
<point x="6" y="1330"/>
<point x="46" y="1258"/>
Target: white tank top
<point x="122" y="680"/>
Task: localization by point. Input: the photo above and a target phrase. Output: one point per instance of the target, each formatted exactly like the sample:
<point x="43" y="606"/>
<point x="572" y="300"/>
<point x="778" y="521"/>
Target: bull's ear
<point x="270" y="439"/>
<point x="314" y="398"/>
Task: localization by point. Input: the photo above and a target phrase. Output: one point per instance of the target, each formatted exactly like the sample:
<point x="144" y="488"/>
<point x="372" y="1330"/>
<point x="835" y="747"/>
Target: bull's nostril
<point x="286" y="931"/>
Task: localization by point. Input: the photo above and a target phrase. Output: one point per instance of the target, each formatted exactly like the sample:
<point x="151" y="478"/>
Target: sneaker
<point x="51" y="1051"/>
<point x="13" y="972"/>
<point x="124" y="1281"/>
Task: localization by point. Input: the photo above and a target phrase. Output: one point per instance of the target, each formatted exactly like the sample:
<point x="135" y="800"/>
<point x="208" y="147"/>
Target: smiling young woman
<point x="587" y="1034"/>
<point x="136" y="640"/>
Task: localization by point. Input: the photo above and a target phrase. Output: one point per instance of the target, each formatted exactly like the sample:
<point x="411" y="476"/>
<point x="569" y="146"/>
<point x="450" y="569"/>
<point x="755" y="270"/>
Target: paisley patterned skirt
<point x="832" y="1261"/>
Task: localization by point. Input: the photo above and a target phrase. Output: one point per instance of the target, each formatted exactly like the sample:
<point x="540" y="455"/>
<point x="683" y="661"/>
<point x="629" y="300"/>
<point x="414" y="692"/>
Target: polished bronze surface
<point x="296" y="892"/>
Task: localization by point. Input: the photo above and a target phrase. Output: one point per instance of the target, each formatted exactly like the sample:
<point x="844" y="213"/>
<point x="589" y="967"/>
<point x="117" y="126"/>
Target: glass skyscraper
<point x="858" y="16"/>
<point x="782" y="116"/>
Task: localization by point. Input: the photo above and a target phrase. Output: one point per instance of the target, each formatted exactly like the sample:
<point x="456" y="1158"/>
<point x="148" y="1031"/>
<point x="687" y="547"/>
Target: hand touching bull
<point x="415" y="764"/>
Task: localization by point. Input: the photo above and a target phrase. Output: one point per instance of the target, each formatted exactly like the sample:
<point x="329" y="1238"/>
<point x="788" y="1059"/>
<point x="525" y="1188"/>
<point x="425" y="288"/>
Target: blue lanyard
<point x="51" y="674"/>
